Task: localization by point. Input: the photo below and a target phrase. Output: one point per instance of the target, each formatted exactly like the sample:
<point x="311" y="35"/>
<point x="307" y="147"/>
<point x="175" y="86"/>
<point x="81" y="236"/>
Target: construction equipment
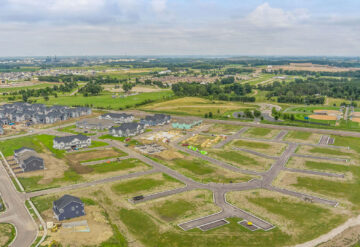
<point x="56" y="227"/>
<point x="249" y="223"/>
<point x="54" y="244"/>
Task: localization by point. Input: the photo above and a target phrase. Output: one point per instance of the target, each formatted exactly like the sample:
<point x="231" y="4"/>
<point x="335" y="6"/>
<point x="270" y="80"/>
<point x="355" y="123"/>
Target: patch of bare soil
<point x="170" y="155"/>
<point x="97" y="154"/>
<point x="100" y="229"/>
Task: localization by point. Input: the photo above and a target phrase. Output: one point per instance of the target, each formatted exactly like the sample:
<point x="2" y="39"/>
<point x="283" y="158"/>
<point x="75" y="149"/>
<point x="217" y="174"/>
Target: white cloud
<point x="266" y="16"/>
<point x="158" y="5"/>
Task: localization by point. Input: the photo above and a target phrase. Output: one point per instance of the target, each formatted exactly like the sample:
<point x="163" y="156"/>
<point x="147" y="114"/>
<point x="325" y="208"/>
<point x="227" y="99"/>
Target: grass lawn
<point x="142" y="184"/>
<point x="70" y="129"/>
<point x="299" y="135"/>
<point x="259" y="131"/>
<point x="330" y="151"/>
<point x="323" y="166"/>
<point x="197" y="107"/>
<point x="203" y="171"/>
<point x="225" y="129"/>
<point x="149" y="234"/>
<point x="95" y="144"/>
<point x="264" y="133"/>
<point x="106" y="101"/>
<point x="243" y="160"/>
<point x="7" y="234"/>
<point x="302" y="221"/>
<point x="36" y="142"/>
<point x="183" y="207"/>
<point x="32" y="183"/>
<point x="117" y="165"/>
<point x="251" y="144"/>
<point x="198" y="167"/>
<point x="347" y="190"/>
<point x="171" y="210"/>
<point x="108" y="136"/>
<point x="352" y="142"/>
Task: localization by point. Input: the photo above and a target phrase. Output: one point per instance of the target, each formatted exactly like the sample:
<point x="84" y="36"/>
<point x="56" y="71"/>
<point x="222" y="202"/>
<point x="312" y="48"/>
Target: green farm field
<point x="106" y="101"/>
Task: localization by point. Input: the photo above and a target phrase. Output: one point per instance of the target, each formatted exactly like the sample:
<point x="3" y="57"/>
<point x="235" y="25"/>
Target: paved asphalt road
<point x="16" y="213"/>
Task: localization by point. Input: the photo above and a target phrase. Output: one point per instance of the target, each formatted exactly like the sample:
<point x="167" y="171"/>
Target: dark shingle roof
<point x="22" y="149"/>
<point x="65" y="200"/>
<point x="32" y="158"/>
<point x="66" y="139"/>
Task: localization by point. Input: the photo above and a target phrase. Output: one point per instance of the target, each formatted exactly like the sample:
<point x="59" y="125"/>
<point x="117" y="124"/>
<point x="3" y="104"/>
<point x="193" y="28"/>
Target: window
<point x="72" y="208"/>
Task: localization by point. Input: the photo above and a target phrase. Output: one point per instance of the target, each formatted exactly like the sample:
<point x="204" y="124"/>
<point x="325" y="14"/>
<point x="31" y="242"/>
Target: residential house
<point x="71" y="142"/>
<point x="118" y="117"/>
<point x="127" y="129"/>
<point x="157" y="119"/>
<point x="94" y="123"/>
<point x="68" y="207"/>
<point x="28" y="159"/>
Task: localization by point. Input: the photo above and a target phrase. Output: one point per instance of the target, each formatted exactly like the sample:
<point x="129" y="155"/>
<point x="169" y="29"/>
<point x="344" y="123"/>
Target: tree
<point x="257" y="113"/>
<point x="127" y="87"/>
<point x="46" y="98"/>
<point x="210" y="114"/>
<point x="248" y="114"/>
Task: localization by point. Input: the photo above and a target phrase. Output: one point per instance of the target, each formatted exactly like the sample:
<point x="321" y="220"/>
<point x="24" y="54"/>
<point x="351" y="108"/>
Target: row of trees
<point x="312" y="90"/>
<point x="233" y="92"/>
<point x="45" y="92"/>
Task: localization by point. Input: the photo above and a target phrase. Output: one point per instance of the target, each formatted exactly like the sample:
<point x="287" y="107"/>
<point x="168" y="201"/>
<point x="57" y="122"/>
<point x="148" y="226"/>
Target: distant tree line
<point x="233" y="92"/>
<point x="312" y="90"/>
<point x="43" y="92"/>
<point x="352" y="73"/>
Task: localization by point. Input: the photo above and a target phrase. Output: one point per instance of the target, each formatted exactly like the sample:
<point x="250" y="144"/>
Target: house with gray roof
<point x="157" y="119"/>
<point x="118" y="117"/>
<point x="95" y="124"/>
<point x="39" y="113"/>
<point x="71" y="142"/>
<point x="28" y="159"/>
<point x="4" y="121"/>
<point x="127" y="129"/>
<point x="68" y="207"/>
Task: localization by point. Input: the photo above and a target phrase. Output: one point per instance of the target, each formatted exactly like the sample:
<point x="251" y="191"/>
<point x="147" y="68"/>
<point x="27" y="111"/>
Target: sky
<point x="179" y="27"/>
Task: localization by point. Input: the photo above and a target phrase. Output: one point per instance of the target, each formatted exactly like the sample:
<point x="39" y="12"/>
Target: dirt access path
<point x="333" y="233"/>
